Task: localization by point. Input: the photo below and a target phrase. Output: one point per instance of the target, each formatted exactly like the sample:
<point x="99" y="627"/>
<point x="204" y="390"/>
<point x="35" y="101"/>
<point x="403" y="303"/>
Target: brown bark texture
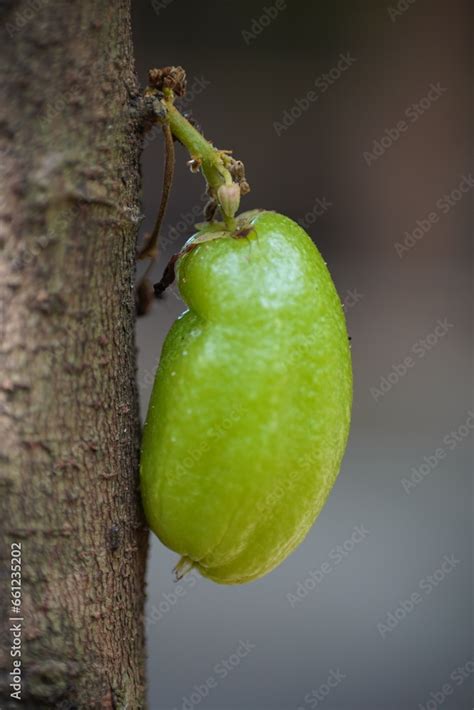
<point x="69" y="147"/>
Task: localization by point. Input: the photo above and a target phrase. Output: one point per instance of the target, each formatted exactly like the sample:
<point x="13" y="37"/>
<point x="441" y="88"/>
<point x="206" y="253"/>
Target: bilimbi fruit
<point x="250" y="410"/>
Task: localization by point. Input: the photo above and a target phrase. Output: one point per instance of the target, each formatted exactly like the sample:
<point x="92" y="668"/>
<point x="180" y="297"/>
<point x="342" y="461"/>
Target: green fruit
<point x="250" y="410"/>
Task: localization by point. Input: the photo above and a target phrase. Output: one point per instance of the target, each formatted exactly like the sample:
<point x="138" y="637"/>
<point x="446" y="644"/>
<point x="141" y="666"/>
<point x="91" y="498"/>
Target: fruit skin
<point x="250" y="410"/>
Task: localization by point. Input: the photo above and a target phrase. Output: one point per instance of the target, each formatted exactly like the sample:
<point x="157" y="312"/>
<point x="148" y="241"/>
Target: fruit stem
<point x="203" y="154"/>
<point x="184" y="566"/>
<point x="225" y="176"/>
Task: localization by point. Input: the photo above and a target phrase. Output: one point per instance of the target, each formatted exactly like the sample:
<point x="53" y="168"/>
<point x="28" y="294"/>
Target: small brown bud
<point x="168" y="78"/>
<point x="244" y="188"/>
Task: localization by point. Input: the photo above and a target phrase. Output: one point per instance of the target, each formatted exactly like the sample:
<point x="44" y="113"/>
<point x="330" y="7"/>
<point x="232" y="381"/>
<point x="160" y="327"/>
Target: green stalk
<point x="210" y="159"/>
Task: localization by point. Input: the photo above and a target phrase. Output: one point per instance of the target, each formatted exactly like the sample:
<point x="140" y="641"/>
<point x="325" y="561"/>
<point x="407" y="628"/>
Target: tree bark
<point x="70" y="142"/>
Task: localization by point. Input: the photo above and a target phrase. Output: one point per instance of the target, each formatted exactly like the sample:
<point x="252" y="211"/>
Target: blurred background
<point x="352" y="118"/>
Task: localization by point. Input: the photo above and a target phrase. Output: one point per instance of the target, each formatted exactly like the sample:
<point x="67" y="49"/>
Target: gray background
<point x="399" y="302"/>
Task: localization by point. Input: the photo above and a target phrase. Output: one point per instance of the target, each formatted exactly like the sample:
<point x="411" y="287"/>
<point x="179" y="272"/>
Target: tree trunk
<point x="70" y="142"/>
